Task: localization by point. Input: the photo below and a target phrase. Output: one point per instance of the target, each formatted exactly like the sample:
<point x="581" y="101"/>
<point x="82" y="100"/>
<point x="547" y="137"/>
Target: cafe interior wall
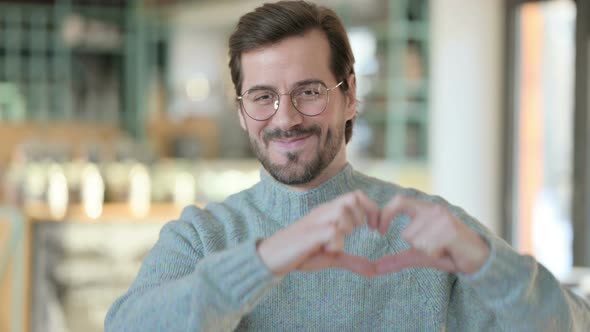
<point x="466" y="62"/>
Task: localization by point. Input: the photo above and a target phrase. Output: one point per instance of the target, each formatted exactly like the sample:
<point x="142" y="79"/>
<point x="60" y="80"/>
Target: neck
<point x="288" y="203"/>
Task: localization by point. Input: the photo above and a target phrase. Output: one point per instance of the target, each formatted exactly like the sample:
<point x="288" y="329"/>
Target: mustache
<point x="293" y="132"/>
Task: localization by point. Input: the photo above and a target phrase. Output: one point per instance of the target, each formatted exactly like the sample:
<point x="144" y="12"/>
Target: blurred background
<point x="116" y="114"/>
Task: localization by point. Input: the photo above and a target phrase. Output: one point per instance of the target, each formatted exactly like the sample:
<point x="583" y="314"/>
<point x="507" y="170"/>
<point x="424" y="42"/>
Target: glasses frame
<point x="241" y="100"/>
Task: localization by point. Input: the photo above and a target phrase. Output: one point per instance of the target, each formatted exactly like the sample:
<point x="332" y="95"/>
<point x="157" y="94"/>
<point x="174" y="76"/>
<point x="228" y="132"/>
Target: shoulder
<point x="235" y="209"/>
<point x="378" y="190"/>
<point x="389" y="190"/>
<point x="456" y="210"/>
<point x="234" y="220"/>
<point x="193" y="227"/>
<point x="382" y="192"/>
<point x="214" y="227"/>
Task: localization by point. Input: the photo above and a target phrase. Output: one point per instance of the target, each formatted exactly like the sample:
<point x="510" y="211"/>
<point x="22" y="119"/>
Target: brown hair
<point x="273" y="22"/>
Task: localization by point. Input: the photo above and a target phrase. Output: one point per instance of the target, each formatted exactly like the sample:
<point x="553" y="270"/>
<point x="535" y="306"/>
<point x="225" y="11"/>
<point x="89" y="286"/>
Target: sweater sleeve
<point x="521" y="294"/>
<point x="180" y="289"/>
<point x="524" y="295"/>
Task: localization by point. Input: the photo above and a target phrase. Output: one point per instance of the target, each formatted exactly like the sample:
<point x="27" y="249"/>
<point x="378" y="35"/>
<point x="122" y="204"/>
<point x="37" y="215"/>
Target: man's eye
<point x="308" y="92"/>
<point x="262" y="97"/>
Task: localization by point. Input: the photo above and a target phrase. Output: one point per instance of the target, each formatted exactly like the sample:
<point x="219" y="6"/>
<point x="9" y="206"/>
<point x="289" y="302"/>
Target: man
<point x="316" y="245"/>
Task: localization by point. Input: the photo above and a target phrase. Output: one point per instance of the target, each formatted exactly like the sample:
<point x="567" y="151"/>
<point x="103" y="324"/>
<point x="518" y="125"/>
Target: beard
<point x="295" y="171"/>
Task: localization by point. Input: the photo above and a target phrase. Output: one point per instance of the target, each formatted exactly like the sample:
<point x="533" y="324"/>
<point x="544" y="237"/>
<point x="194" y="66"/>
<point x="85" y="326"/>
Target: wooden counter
<point x="116" y="213"/>
<point x="111" y="213"/>
<point x="7" y="284"/>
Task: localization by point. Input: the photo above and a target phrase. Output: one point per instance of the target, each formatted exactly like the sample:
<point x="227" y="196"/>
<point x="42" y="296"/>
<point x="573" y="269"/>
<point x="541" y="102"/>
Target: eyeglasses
<point x="309" y="99"/>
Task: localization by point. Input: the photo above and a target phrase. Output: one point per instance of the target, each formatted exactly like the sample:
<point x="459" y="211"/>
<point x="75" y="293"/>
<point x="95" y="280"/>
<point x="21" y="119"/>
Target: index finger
<point x="371" y="209"/>
<point x="398" y="205"/>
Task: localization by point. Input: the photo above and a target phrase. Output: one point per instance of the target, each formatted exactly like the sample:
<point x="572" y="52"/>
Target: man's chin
<point x="291" y="173"/>
<point x="286" y="157"/>
<point x="293" y="179"/>
<point x="293" y="167"/>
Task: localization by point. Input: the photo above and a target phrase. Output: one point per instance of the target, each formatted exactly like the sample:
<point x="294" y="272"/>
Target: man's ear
<point x="351" y="102"/>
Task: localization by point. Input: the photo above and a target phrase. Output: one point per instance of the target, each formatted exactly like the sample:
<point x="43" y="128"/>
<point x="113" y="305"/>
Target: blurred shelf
<point x="202" y="133"/>
<point x="402" y="30"/>
<point x="76" y="133"/>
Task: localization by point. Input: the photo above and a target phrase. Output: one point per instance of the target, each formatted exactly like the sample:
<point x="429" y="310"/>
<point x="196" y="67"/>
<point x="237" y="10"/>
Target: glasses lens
<point x="310" y="99"/>
<point x="260" y="104"/>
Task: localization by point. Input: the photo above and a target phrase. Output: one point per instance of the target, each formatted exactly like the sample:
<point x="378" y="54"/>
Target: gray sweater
<point x="204" y="274"/>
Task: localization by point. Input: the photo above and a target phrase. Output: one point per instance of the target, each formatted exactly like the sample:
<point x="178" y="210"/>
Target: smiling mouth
<point x="292" y="142"/>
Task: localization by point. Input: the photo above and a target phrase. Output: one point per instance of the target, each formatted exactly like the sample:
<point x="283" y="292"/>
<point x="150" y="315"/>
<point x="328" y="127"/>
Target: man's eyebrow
<point x="261" y="87"/>
<point x="296" y="84"/>
<point x="307" y="81"/>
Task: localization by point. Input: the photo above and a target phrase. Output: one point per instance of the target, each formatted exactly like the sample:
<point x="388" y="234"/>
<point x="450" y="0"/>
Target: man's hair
<point x="273" y="22"/>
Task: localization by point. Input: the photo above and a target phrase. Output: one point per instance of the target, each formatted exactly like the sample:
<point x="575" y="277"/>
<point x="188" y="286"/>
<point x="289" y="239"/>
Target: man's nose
<point x="287" y="115"/>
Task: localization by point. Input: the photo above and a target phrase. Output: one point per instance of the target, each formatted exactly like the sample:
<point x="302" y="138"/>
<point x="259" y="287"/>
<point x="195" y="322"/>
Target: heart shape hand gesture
<point x="438" y="239"/>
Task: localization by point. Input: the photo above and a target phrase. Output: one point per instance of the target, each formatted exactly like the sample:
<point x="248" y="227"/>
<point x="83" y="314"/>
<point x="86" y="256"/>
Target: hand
<point x="438" y="239"/>
<point x="316" y="242"/>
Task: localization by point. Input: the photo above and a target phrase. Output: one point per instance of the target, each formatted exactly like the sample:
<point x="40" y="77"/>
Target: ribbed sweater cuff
<point x="502" y="275"/>
<point x="240" y="275"/>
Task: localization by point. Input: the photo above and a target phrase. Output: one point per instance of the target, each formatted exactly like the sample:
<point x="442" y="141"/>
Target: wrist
<point x="265" y="253"/>
<point x="480" y="257"/>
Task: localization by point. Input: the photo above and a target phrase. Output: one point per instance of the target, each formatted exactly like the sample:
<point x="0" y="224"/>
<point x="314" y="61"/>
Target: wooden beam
<point x="581" y="176"/>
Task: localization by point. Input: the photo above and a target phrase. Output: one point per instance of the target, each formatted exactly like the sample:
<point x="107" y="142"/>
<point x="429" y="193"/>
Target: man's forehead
<point x="311" y="46"/>
<point x="290" y="60"/>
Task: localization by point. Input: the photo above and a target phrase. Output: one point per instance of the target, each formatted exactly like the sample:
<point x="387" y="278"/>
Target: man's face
<point x="294" y="148"/>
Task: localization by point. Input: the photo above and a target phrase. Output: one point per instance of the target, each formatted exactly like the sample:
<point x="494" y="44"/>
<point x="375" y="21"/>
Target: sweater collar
<point x="285" y="205"/>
